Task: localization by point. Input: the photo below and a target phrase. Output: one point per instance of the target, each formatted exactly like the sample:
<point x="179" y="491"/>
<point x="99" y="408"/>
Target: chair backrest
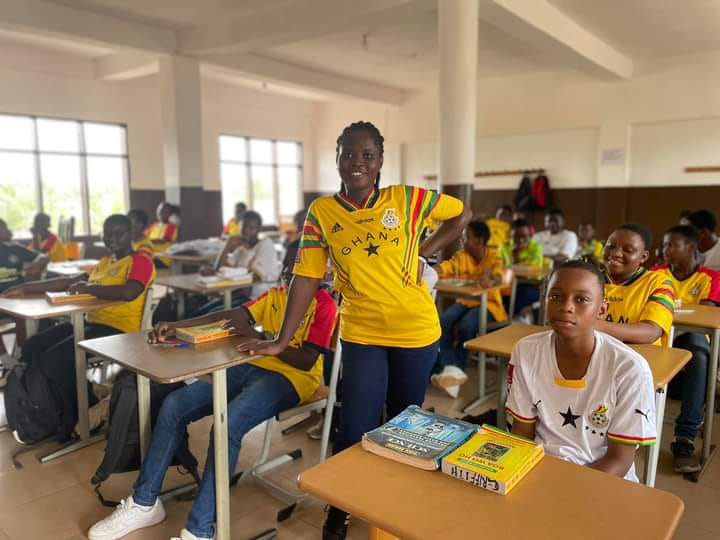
<point x="146" y="321"/>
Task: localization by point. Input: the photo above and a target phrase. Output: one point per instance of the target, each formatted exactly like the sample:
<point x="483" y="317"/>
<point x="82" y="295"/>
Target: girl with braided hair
<point x="389" y="326"/>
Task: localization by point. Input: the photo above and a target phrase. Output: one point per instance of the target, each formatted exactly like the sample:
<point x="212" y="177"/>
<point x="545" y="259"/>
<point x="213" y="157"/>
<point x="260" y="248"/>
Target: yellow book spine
<point x="526" y="467"/>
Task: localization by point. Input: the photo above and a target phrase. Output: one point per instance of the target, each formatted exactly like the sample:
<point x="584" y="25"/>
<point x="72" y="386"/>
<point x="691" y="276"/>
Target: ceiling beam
<point x="297" y="22"/>
<point x="544" y="26"/>
<point x="125" y="65"/>
<point x="47" y="18"/>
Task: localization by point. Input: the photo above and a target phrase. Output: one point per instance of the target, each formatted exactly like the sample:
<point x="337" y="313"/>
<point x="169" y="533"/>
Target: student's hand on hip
<point x="264" y="348"/>
<point x="161" y="332"/>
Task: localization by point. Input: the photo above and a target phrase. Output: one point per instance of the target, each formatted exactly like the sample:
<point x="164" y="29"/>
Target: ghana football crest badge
<point x="390" y="219"/>
<point x="695" y="291"/>
<point x="113" y="272"/>
<point x="599" y="417"/>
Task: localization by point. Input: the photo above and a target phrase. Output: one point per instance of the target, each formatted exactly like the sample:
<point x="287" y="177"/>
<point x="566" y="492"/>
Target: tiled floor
<point x="56" y="500"/>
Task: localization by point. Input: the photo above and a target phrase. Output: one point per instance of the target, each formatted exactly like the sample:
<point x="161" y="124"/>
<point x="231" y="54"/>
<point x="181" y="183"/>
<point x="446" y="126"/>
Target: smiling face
<point x="575" y="300"/>
<point x="116" y="237"/>
<point x="359" y="161"/>
<point x="624" y="253"/>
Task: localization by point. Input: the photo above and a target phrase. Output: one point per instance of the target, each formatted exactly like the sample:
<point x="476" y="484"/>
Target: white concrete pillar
<point x="457" y="94"/>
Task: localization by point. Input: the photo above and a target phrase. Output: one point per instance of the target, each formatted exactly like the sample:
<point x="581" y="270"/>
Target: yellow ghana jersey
<point x="593" y="247"/>
<point x="499" y="231"/>
<point x="702" y="284"/>
<point x="162" y="231"/>
<point x="143" y="245"/>
<point x="374" y="252"/>
<point x="463" y="265"/>
<point x="52" y="245"/>
<point x="232" y="227"/>
<point x="646" y="296"/>
<point x="128" y="315"/>
<point x="316" y="328"/>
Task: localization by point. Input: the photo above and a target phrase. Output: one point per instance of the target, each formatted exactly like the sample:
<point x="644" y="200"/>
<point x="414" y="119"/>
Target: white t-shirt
<point x="712" y="256"/>
<point x="261" y="258"/>
<point x="563" y="243"/>
<point x="574" y="419"/>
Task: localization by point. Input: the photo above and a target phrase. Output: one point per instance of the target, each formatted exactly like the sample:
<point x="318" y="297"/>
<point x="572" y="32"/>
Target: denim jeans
<point x="693" y="379"/>
<point x="377" y="379"/>
<point x="254" y="395"/>
<point x="452" y="352"/>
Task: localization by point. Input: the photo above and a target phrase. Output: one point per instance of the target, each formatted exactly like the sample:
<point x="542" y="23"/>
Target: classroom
<point x="282" y="268"/>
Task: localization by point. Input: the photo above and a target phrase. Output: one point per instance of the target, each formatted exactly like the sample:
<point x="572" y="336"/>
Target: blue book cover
<point x="418" y="437"/>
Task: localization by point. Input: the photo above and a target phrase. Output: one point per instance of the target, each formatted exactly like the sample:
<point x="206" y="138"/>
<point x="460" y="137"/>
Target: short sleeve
<point x="171" y="233"/>
<point x="633" y="421"/>
<point x="141" y="269"/>
<point x="266" y="261"/>
<point x="536" y="254"/>
<point x="444" y="207"/>
<point x="449" y="266"/>
<point x="520" y="401"/>
<point x="312" y="255"/>
<point x="257" y="307"/>
<point x="570" y="245"/>
<point x="712" y="292"/>
<point x="323" y="323"/>
<point x="660" y="304"/>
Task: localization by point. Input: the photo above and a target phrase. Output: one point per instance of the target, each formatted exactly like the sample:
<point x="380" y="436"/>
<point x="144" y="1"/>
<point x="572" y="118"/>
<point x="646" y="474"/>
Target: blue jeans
<point x="452" y="352"/>
<point x="254" y="395"/>
<point x="694" y="380"/>
<point x="377" y="378"/>
<point x="525" y="295"/>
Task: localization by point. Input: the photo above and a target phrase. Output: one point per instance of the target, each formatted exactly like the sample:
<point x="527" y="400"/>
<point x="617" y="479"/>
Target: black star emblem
<point x="569" y="418"/>
<point x="371" y="249"/>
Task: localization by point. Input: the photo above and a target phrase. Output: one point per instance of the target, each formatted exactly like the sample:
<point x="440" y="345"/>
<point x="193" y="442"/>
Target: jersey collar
<point x="351" y="205"/>
<point x="632" y="279"/>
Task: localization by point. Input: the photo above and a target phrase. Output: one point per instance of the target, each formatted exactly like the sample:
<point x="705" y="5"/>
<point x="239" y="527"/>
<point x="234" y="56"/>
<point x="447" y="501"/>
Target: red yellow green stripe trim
<point x="627" y="439"/>
<point x="519" y="418"/>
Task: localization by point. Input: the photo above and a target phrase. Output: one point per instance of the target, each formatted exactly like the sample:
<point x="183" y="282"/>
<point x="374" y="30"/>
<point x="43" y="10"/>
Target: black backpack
<point x="524" y="195"/>
<point x="122" y="451"/>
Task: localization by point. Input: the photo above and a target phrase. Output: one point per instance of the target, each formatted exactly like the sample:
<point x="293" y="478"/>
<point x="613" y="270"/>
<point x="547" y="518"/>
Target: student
<point x="124" y="276"/>
<point x="46" y="242"/>
<point x="162" y="234"/>
<point x="139" y="222"/>
<point x="640" y="303"/>
<point x="705" y="222"/>
<point x="500" y="226"/>
<point x="522" y="250"/>
<point x="16" y="261"/>
<point x="480" y="262"/>
<point x="232" y="227"/>
<point x="389" y="325"/>
<point x="557" y="242"/>
<point x="256" y="391"/>
<point x="585" y="396"/>
<point x="693" y="284"/>
<point x="590" y="248"/>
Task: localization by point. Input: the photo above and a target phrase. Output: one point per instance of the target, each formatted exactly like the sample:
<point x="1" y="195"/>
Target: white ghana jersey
<point x="575" y="419"/>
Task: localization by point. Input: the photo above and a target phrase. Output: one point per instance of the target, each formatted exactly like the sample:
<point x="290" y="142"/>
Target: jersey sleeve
<point x="570" y="245"/>
<point x="536" y="254"/>
<point x="266" y="263"/>
<point x="257" y="307"/>
<point x="323" y="323"/>
<point x="497" y="268"/>
<point x="449" y="266"/>
<point x="712" y="289"/>
<point x="660" y="303"/>
<point x="312" y="255"/>
<point x="520" y="401"/>
<point x="141" y="269"/>
<point x="443" y="207"/>
<point x="171" y="233"/>
<point x="633" y="421"/>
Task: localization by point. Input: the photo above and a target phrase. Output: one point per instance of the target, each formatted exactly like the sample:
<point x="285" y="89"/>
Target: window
<point x="64" y="168"/>
<point x="265" y="174"/>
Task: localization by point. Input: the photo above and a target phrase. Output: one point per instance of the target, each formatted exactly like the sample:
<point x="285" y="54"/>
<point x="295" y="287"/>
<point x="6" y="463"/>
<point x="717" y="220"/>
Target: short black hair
<point x="688" y="232"/>
<point x="241" y="205"/>
<point x="139" y="215"/>
<point x="117" y="219"/>
<point x="641" y="230"/>
<point x="479" y="230"/>
<point x="581" y="265"/>
<point x="703" y="219"/>
<point x="520" y="222"/>
<point x="685" y="213"/>
<point x="587" y="222"/>
<point x="555" y="212"/>
<point x="252" y="215"/>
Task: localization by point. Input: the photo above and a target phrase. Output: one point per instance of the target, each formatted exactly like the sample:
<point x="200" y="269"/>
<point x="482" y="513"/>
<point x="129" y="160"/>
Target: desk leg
<point x="222" y="474"/>
<point x="175" y="268"/>
<point x="143" y="393"/>
<point x="502" y="393"/>
<point x="653" y="452"/>
<point x="227" y="298"/>
<point x="31" y="326"/>
<point x="181" y="304"/>
<point x="482" y="330"/>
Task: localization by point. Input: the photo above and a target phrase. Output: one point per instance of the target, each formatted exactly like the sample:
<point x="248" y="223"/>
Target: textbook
<point x="56" y="298"/>
<point x="210" y="282"/>
<point x="493" y="459"/>
<point x="456" y="282"/>
<point x="203" y="333"/>
<point x="418" y="438"/>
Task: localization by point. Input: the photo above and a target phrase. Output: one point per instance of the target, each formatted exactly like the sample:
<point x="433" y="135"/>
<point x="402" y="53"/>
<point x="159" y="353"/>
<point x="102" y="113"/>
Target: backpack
<point x="541" y="193"/>
<point x="122" y="451"/>
<point x="523" y="196"/>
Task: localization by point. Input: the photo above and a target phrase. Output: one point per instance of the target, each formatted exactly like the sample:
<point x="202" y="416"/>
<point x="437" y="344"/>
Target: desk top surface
<point x="698" y="315"/>
<point x="37" y="307"/>
<point x="188" y="282"/>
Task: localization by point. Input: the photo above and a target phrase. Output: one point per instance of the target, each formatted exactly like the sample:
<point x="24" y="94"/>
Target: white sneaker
<point x="187" y="535"/>
<point x="126" y="518"/>
<point x="451" y="376"/>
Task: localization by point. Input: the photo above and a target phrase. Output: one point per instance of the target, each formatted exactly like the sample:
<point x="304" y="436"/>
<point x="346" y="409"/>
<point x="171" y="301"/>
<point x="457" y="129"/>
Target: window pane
<point x="288" y="153"/>
<point x="263" y="203"/>
<point x="60" y="177"/>
<point x="234" y="184"/>
<point x="104" y="139"/>
<point x="260" y="151"/>
<point x="232" y="148"/>
<point x="58" y="136"/>
<point x="17" y="191"/>
<point x="288" y="190"/>
<point x="106" y="185"/>
<point x="16" y="133"/>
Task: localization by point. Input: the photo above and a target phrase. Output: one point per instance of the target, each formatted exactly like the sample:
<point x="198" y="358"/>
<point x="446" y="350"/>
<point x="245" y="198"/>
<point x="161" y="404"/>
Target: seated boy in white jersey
<point x="587" y="397"/>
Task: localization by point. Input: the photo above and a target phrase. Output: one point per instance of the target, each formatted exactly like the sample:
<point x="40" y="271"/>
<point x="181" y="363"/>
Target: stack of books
<point x="57" y="298"/>
<point x="204" y="333"/>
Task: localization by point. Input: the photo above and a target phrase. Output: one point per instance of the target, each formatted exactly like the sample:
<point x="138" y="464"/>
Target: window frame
<point x="82" y="154"/>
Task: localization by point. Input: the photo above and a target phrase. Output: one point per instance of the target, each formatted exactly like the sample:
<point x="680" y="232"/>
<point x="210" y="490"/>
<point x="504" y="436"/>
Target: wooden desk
<point x="704" y="319"/>
<point x="187" y="283"/>
<point x="72" y="268"/>
<point x="34" y="308"/>
<point x="169" y="365"/>
<point x="177" y="261"/>
<point x="664" y="362"/>
<point x="556" y="500"/>
<point x="445" y="287"/>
